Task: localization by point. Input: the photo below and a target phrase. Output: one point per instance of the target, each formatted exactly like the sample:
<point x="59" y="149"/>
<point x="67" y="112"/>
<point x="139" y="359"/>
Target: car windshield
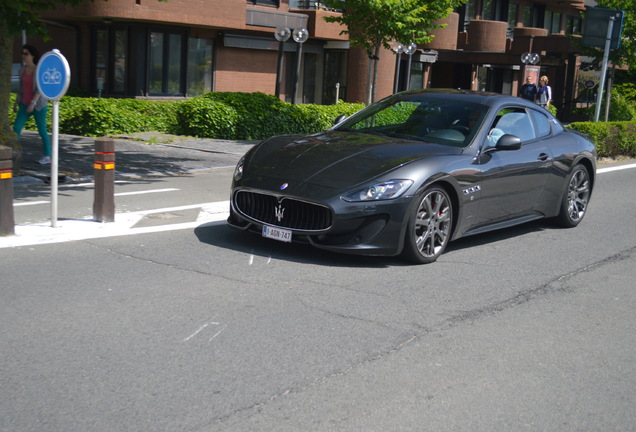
<point x="432" y="118"/>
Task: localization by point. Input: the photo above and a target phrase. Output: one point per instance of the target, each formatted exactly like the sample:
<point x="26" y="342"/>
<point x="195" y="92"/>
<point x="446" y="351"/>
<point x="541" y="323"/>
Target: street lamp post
<point x="282" y="34"/>
<point x="398" y="48"/>
<point x="409" y="50"/>
<point x="300" y="36"/>
<point x="529" y="60"/>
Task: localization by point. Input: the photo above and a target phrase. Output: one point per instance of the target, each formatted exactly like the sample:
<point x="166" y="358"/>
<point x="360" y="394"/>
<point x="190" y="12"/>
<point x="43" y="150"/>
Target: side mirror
<point x="508" y="142"/>
<point x="339" y="119"/>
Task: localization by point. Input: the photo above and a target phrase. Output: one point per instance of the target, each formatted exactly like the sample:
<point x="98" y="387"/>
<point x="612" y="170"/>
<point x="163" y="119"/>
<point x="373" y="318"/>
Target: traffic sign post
<point x="603" y="29"/>
<point x="53" y="77"/>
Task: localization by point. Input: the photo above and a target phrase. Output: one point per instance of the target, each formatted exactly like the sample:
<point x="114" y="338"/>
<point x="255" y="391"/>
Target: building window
<point x="556" y="22"/>
<point x="174" y="64"/>
<point x="165" y="64"/>
<point x="310" y="5"/>
<point x="467" y="12"/>
<point x="573" y="25"/>
<point x="110" y="61"/>
<point x="120" y="61"/>
<point x="527" y="16"/>
<point x="494" y="10"/>
<point x="513" y="9"/>
<point x="335" y="76"/>
<point x="155" y="65"/>
<point x="199" y="78"/>
<point x="273" y="3"/>
<point x="101" y="60"/>
<point x="552" y="22"/>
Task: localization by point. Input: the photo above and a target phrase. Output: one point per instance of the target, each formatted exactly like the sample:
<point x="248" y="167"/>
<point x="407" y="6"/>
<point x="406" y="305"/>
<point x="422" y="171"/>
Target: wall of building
<point x="245" y="70"/>
<point x="254" y="68"/>
<point x="209" y="13"/>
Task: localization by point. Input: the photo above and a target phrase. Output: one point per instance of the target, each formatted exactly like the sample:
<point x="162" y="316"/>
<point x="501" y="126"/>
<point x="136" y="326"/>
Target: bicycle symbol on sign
<point x="52" y="76"/>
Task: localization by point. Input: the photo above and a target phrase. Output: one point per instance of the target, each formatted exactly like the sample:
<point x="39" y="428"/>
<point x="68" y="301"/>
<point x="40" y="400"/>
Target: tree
<point x="373" y="24"/>
<point x="16" y="16"/>
<point x="626" y="54"/>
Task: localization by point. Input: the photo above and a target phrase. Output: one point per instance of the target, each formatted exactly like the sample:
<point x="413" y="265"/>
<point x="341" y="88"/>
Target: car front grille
<point x="286" y="213"/>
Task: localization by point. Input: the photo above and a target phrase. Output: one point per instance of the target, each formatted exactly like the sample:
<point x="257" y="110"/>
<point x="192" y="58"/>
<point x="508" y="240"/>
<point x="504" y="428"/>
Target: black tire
<point x="429" y="227"/>
<point x="576" y="197"/>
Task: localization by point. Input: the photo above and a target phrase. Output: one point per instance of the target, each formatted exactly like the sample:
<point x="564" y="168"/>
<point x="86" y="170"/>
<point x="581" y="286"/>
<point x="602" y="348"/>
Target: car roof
<point x="480" y="97"/>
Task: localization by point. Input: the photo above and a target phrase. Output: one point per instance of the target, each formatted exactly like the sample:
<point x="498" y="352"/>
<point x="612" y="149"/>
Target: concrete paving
<point x="139" y="155"/>
<point x="136" y="155"/>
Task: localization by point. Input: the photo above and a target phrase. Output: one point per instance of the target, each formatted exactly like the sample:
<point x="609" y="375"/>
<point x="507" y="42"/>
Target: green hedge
<point x="245" y="116"/>
<point x="100" y="117"/>
<point x="612" y="138"/>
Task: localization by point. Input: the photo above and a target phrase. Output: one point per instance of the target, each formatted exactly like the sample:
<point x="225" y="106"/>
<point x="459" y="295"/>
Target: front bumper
<point x="364" y="228"/>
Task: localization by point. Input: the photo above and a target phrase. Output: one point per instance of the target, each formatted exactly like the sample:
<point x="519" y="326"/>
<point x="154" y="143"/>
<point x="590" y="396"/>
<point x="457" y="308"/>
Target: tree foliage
<point x="626" y="53"/>
<point x="373" y="24"/>
<point x="17" y="16"/>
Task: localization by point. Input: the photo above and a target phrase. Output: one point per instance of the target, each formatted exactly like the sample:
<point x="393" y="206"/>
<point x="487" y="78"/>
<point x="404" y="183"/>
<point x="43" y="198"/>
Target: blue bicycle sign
<point x="53" y="75"/>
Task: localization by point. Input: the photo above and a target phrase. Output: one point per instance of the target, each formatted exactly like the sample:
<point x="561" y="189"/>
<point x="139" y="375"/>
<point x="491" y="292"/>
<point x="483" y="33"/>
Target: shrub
<point x="621" y="108"/>
<point x="626" y="90"/>
<point x="259" y="114"/>
<point x="100" y="117"/>
<point x="612" y="138"/>
<point x="202" y="117"/>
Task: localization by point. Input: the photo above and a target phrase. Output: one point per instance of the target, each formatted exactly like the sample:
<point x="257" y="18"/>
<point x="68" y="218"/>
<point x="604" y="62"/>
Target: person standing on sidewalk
<point x="29" y="102"/>
<point x="544" y="94"/>
<point x="529" y="89"/>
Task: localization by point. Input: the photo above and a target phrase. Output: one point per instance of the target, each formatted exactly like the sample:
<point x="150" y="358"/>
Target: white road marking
<point x="200" y="329"/>
<point x="146" y="192"/>
<point x="615" y="168"/>
<point x="83" y="229"/>
<point x="196" y="332"/>
<point x="22" y="204"/>
<point x="218" y="332"/>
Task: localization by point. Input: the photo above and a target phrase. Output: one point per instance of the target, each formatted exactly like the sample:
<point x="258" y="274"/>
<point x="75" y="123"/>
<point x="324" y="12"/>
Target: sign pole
<point x="53" y="76"/>
<point x="54" y="161"/>
<point x="601" y="86"/>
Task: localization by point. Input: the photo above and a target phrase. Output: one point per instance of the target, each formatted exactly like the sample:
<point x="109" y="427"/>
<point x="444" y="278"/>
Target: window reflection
<point x="155" y="66"/>
<point x="119" y="77"/>
<point x="199" y="77"/>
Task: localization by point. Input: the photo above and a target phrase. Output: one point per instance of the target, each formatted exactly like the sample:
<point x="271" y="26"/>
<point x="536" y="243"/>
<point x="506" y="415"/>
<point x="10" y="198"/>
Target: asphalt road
<point x="208" y="329"/>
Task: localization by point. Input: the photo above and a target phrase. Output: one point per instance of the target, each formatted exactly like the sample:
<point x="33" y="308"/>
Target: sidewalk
<point x="127" y="223"/>
<point x="137" y="155"/>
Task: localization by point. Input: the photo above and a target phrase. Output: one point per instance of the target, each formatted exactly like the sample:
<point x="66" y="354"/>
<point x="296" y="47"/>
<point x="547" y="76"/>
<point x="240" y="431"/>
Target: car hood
<point x="336" y="159"/>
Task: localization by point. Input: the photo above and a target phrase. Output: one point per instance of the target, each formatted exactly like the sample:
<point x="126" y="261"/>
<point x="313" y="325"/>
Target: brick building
<point x="180" y="48"/>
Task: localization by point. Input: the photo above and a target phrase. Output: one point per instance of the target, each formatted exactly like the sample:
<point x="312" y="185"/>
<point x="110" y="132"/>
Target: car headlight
<point x="381" y="191"/>
<point x="238" y="171"/>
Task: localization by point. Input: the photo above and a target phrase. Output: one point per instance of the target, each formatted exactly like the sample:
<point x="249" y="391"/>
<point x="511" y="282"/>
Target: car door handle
<point x="543" y="157"/>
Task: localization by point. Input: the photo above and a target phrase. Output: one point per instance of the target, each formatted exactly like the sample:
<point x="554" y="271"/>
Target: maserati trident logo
<point x="279" y="212"/>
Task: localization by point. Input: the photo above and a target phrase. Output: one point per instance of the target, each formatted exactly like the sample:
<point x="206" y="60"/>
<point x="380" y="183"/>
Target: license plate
<point x="277" y="233"/>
